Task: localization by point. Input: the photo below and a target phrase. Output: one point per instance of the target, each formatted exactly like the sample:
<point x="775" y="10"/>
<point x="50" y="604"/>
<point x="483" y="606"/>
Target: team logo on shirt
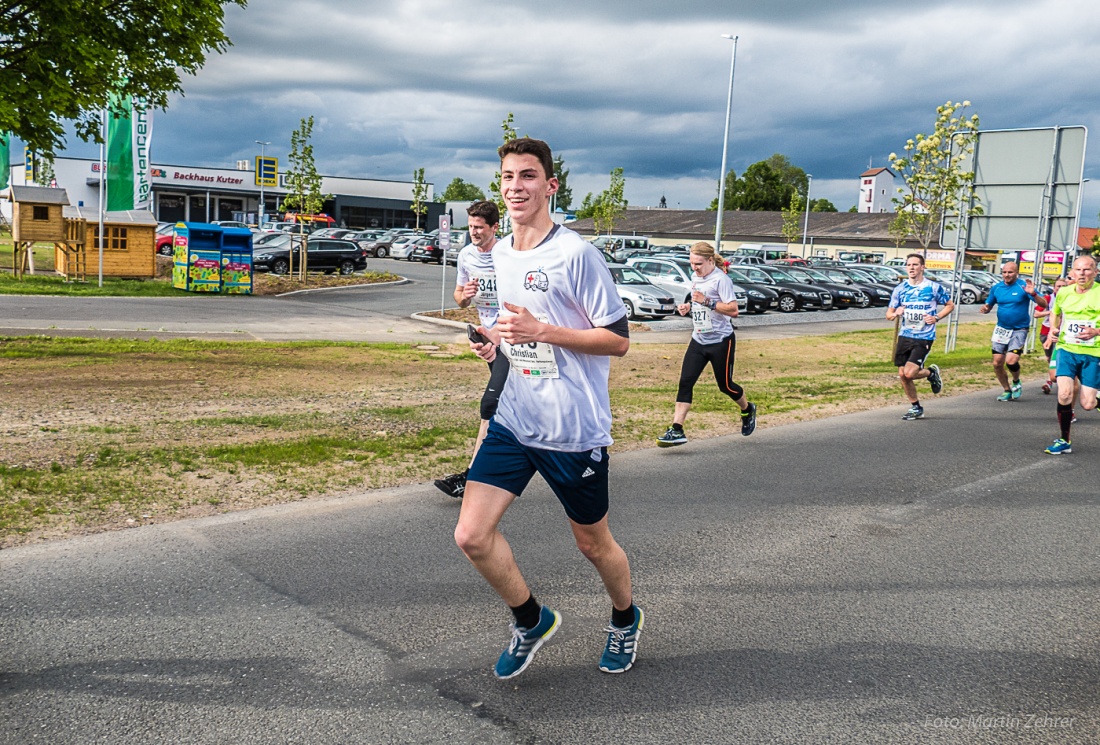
<point x="536" y="280"/>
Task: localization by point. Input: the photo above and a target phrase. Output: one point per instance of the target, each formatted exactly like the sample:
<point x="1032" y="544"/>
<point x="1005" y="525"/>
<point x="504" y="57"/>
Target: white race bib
<point x="533" y="360"/>
<point x="1071" y="330"/>
<point x="486" y="296"/>
<point x="913" y="319"/>
<point x="700" y="318"/>
<point x="1002" y="335"/>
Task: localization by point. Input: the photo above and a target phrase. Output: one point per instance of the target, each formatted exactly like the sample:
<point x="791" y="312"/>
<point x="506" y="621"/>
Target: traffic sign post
<point x="444" y="245"/>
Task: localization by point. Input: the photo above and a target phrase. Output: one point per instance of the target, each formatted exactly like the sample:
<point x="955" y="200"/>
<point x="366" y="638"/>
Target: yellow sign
<point x="267" y="171"/>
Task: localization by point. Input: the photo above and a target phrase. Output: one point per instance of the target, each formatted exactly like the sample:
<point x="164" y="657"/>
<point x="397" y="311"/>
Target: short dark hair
<point x="487" y="211"/>
<point x="529" y="146"/>
<point x="915" y="256"/>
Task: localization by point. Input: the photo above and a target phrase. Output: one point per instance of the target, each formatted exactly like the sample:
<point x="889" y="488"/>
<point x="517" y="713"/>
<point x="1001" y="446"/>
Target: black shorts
<point x="912" y="350"/>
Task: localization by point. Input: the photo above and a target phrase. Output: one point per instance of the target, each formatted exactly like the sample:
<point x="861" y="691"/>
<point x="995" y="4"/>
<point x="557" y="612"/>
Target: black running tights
<point x="720" y="357"/>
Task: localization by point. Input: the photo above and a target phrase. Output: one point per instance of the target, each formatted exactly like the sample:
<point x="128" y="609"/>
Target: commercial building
<point x="199" y="194"/>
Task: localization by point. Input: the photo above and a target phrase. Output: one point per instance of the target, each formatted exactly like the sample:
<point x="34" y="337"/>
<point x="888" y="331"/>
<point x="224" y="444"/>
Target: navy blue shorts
<point x="579" y="480"/>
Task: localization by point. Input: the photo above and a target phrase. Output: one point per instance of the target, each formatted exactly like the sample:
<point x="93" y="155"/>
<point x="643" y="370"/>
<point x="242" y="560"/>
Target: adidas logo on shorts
<point x="588" y="472"/>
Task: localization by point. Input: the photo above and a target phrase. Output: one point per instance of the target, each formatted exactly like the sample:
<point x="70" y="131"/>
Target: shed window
<point x="114" y="238"/>
<point x="41" y="212"/>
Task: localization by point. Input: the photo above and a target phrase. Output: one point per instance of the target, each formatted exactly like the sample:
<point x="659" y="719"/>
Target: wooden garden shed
<point x="36" y="217"/>
<point x="129" y="244"/>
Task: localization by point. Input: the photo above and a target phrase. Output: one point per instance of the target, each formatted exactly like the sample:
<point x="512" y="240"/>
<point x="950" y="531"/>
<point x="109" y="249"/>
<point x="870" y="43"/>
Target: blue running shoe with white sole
<point x="525" y="642"/>
<point x="1059" y="447"/>
<point x="622" y="645"/>
<point x="1017" y="390"/>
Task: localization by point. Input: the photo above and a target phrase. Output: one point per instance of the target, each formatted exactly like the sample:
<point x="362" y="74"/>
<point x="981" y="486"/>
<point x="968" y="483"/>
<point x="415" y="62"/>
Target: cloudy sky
<point x="640" y="84"/>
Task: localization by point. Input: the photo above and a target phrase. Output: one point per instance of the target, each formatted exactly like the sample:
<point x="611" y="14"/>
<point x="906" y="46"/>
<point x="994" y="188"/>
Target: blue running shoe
<point x="1006" y="396"/>
<point x="1017" y="390"/>
<point x="935" y="379"/>
<point x="1059" y="447"/>
<point x="525" y="642"/>
<point x="622" y="645"/>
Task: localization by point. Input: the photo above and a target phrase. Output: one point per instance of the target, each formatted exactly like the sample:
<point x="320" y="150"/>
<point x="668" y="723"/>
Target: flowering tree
<point x="931" y="168"/>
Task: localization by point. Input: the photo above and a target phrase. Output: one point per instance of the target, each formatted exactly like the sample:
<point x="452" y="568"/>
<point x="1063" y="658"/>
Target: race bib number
<point x="486" y="296"/>
<point x="534" y="360"/>
<point x="913" y="319"/>
<point x="1071" y="332"/>
<point x="700" y="318"/>
<point x="1002" y="335"/>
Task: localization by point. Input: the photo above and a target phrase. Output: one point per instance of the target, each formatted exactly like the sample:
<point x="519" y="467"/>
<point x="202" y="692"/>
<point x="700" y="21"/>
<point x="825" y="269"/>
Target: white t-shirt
<point x="557" y="399"/>
<point x="710" y="326"/>
<point x="475" y="264"/>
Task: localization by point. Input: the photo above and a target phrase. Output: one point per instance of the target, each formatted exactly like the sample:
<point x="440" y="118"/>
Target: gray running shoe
<point x="748" y="420"/>
<point x="915" y="412"/>
<point x="934" y="378"/>
<point x="672" y="437"/>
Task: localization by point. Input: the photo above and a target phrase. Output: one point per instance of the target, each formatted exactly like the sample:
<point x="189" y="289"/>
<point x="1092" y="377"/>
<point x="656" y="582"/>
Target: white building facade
<point x="876" y="190"/>
<point x="199" y="194"/>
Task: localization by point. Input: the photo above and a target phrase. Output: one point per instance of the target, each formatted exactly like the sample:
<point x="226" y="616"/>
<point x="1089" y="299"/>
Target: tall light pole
<point x="806" y="222"/>
<point x="260" y="220"/>
<point x="725" y="148"/>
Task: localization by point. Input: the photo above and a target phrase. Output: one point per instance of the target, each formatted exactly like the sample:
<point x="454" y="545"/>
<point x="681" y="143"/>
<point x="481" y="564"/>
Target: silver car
<point x="675" y="276"/>
<point x="639" y="295"/>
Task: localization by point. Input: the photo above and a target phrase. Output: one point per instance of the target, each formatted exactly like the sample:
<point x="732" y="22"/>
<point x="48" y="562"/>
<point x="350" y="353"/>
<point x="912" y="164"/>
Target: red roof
<point x="875" y="172"/>
<point x="1085" y="237"/>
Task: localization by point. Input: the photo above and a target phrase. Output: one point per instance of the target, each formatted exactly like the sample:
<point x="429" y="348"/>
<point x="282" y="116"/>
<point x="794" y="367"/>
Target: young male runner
<point x="477" y="284"/>
<point x="1013" y="300"/>
<point x="916" y="301"/>
<point x="560" y="321"/>
<point x="713" y="304"/>
<point x="1074" y="317"/>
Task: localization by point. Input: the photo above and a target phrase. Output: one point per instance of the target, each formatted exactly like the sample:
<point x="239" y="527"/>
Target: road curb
<point x="401" y="281"/>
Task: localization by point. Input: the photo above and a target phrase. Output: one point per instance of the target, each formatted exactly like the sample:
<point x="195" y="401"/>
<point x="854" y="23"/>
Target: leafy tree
<point x="822" y="205"/>
<point x="494" y="187"/>
<point x="611" y="203"/>
<point x="792" y="219"/>
<point x="564" y="197"/>
<point x="61" y="59"/>
<point x="854" y="208"/>
<point x="588" y="206"/>
<point x="898" y="230"/>
<point x="931" y="168"/>
<point x="762" y="189"/>
<point x="420" y="194"/>
<point x="732" y="186"/>
<point x="302" y="180"/>
<point x="461" y="191"/>
<point x="793" y="178"/>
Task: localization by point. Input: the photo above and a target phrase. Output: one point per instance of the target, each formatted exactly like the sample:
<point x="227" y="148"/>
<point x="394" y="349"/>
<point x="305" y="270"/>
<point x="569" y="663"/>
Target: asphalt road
<point x="852" y="580"/>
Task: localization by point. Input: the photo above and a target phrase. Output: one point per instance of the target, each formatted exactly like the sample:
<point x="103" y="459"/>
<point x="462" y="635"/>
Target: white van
<point x="621" y="245"/>
<point x="766" y="252"/>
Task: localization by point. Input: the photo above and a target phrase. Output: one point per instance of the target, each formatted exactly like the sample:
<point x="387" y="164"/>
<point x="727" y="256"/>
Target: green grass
<point x="39" y="284"/>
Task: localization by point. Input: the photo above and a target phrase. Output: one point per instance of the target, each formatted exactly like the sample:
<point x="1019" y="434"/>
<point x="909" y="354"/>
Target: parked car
<point x="290" y="227"/>
<point x="891" y="275"/>
<point x="164" y="238"/>
<point x="640" y="296"/>
<point x="820" y="261"/>
<point x="619" y="245"/>
<point x="734" y="260"/>
<point x="231" y="224"/>
<point x="793" y="295"/>
<point x="969" y="293"/>
<point x="401" y="247"/>
<point x="326" y="255"/>
<point x="760" y="296"/>
<point x="845" y="295"/>
<point x="342" y="233"/>
<point x="767" y="252"/>
<point x="792" y="261"/>
<point x="877" y="292"/>
<point x="385" y="244"/>
<point x="675" y="275"/>
<point x="427" y="250"/>
<point x="271" y="241"/>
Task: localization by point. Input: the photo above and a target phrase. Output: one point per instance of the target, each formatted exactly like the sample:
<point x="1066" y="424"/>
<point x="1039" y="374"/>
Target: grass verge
<point x="99" y="434"/>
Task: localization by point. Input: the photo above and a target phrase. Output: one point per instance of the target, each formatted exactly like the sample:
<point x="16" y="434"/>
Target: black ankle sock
<point x="527" y="615"/>
<point x="678" y="427"/>
<point x="624" y="619"/>
<point x="916" y="403"/>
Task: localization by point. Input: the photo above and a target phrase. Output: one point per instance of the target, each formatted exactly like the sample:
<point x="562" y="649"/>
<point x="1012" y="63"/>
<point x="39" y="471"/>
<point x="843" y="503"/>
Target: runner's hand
<point x="487" y="352"/>
<point x="1051" y="339"/>
<point x="1029" y="287"/>
<point x="984" y="309"/>
<point x="683" y="308"/>
<point x="698" y="297"/>
<point x="519" y="328"/>
<point x="469" y="290"/>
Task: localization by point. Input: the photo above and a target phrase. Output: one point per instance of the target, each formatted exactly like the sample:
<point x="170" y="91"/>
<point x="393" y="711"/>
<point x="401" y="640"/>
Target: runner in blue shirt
<point x="916" y="303"/>
<point x="1013" y="300"/>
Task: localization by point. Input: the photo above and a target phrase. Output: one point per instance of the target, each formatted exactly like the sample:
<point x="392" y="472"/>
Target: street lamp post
<point x="806" y="222"/>
<point x="725" y="148"/>
<point x="260" y="219"/>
